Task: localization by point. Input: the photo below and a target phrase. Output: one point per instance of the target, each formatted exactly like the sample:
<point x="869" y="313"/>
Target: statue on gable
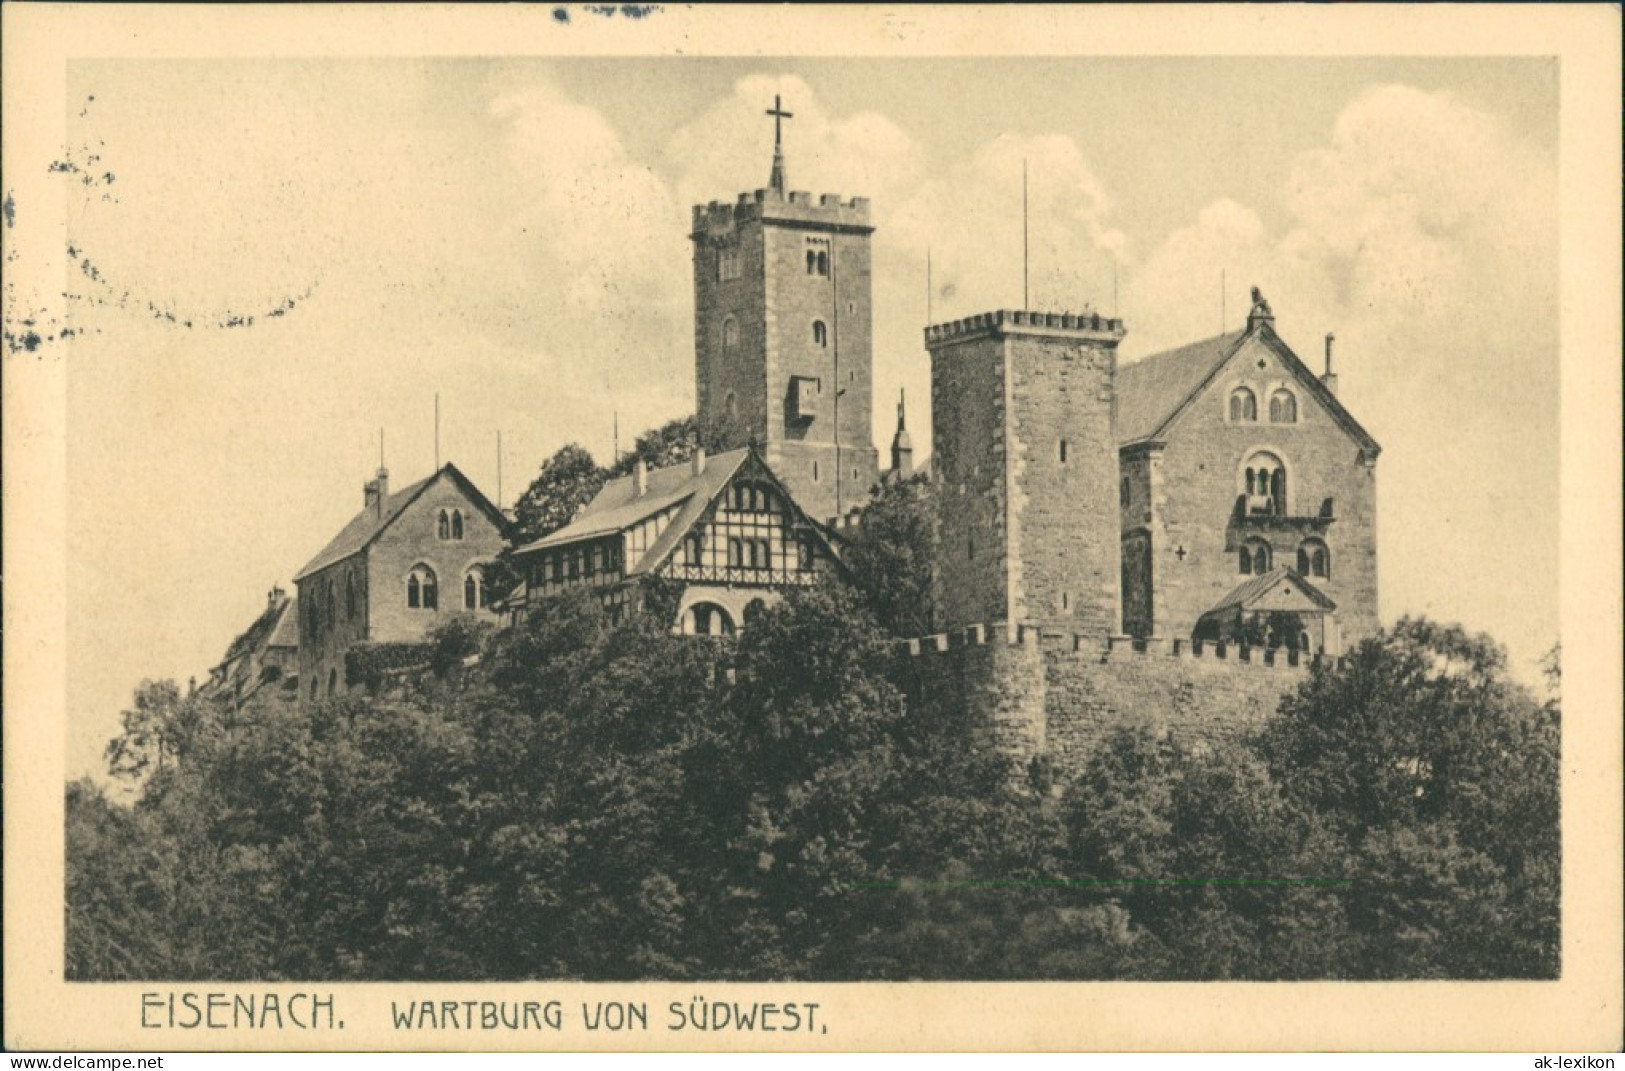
<point x="1261" y="307"/>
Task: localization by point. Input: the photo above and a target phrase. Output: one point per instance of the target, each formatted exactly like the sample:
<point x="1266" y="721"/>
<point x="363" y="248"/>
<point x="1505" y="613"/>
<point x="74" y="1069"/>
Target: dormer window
<point x="1283" y="407"/>
<point x="1243" y="406"/>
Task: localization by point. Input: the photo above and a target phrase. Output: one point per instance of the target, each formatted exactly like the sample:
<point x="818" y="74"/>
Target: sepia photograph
<point x="656" y="523"/>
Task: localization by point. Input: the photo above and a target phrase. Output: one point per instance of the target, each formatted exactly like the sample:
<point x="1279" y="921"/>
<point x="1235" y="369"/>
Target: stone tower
<point x="1026" y="471"/>
<point x="783" y="337"/>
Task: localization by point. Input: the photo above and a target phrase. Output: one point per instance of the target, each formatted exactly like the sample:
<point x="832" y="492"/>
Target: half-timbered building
<point x="724" y="528"/>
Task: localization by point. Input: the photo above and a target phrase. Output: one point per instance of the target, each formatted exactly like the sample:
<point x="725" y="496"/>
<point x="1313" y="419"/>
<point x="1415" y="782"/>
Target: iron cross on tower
<point x="779" y="115"/>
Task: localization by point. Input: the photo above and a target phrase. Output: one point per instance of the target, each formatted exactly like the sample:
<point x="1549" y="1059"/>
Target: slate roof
<point x="264" y="628"/>
<point x="286" y="633"/>
<point x="614" y="509"/>
<point x="1252" y="590"/>
<point x="1152" y="389"/>
<point x="365" y="526"/>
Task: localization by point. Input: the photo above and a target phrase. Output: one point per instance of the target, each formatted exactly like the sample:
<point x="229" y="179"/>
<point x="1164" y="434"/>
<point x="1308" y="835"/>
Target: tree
<point x="891" y="554"/>
<point x="673" y="443"/>
<point x="567" y="481"/>
<point x="1440" y="776"/>
<point x="159" y="728"/>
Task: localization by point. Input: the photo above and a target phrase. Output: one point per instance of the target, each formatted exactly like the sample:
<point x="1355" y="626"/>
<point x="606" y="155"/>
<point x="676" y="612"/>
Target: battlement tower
<point x="1026" y="469"/>
<point x="783" y="336"/>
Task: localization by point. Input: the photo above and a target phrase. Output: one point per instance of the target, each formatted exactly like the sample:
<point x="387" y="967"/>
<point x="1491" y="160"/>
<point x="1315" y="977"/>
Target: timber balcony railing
<point x="742" y="574"/>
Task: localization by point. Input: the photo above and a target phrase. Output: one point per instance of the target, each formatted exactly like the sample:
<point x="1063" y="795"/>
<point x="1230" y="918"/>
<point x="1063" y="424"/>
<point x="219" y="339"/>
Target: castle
<point x="1174" y="540"/>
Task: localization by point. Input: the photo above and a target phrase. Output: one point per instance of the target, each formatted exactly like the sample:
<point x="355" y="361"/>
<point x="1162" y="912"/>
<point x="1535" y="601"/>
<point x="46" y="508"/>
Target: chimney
<point x="698" y="462"/>
<point x="640" y="479"/>
<point x="380" y="491"/>
<point x="1329" y="379"/>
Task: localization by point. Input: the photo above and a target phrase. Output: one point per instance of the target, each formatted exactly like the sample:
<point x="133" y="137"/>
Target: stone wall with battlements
<point x="1061" y="694"/>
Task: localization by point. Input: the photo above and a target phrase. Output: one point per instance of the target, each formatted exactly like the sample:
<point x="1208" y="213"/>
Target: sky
<point x="512" y="236"/>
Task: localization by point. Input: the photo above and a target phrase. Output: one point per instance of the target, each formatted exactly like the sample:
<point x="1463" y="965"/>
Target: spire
<point x="777" y="181"/>
<point x="902" y="447"/>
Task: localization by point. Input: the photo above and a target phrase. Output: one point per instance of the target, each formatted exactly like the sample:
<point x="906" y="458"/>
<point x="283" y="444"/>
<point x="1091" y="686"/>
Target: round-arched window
<point x="1243" y="406"/>
<point x="1262" y="481"/>
<point x="1314" y="559"/>
<point x="730" y="333"/>
<point x="1255" y="557"/>
<point x="1283" y="407"/>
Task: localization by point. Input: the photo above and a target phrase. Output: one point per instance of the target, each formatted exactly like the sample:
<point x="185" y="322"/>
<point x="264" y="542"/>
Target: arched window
<point x="1061" y="451"/>
<point x="730" y="333"/>
<point x="1314" y="559"/>
<point x="313" y="686"/>
<point x="349" y="596"/>
<point x="694" y="548"/>
<point x="707" y="619"/>
<point x="730" y="406"/>
<point x="456" y="524"/>
<point x="1255" y="557"/>
<point x="330" y="601"/>
<point x="806" y="553"/>
<point x="332" y="682"/>
<point x="812" y="262"/>
<point x="1123" y="493"/>
<point x="1263" y="481"/>
<point x="823" y="263"/>
<point x="753" y="611"/>
<point x="1243" y="406"/>
<point x="443" y="529"/>
<point x="1283" y="407"/>
<point x="474" y="589"/>
<point x="420" y="588"/>
<point x="820" y="333"/>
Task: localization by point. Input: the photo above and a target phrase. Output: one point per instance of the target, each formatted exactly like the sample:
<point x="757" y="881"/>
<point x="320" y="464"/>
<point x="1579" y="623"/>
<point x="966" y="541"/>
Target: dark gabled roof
<point x="260" y="632"/>
<point x="615" y="509"/>
<point x="367" y="525"/>
<point x="1249" y="592"/>
<point x="1151" y="390"/>
<point x="286" y="633"/>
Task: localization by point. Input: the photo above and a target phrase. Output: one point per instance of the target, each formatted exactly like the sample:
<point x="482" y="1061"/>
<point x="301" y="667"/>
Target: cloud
<point x="863" y="154"/>
<point x="1424" y="235"/>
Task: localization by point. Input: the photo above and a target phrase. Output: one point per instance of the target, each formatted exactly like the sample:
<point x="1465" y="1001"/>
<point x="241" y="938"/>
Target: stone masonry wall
<point x="1063" y="483"/>
<point x="1062" y="696"/>
<point x="1201" y="699"/>
<point x="967" y="407"/>
<point x="842" y="366"/>
<point x="1200" y="471"/>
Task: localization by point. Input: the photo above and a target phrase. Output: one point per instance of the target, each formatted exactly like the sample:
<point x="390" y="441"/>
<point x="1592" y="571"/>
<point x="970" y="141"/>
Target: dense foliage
<point x="564" y="799"/>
